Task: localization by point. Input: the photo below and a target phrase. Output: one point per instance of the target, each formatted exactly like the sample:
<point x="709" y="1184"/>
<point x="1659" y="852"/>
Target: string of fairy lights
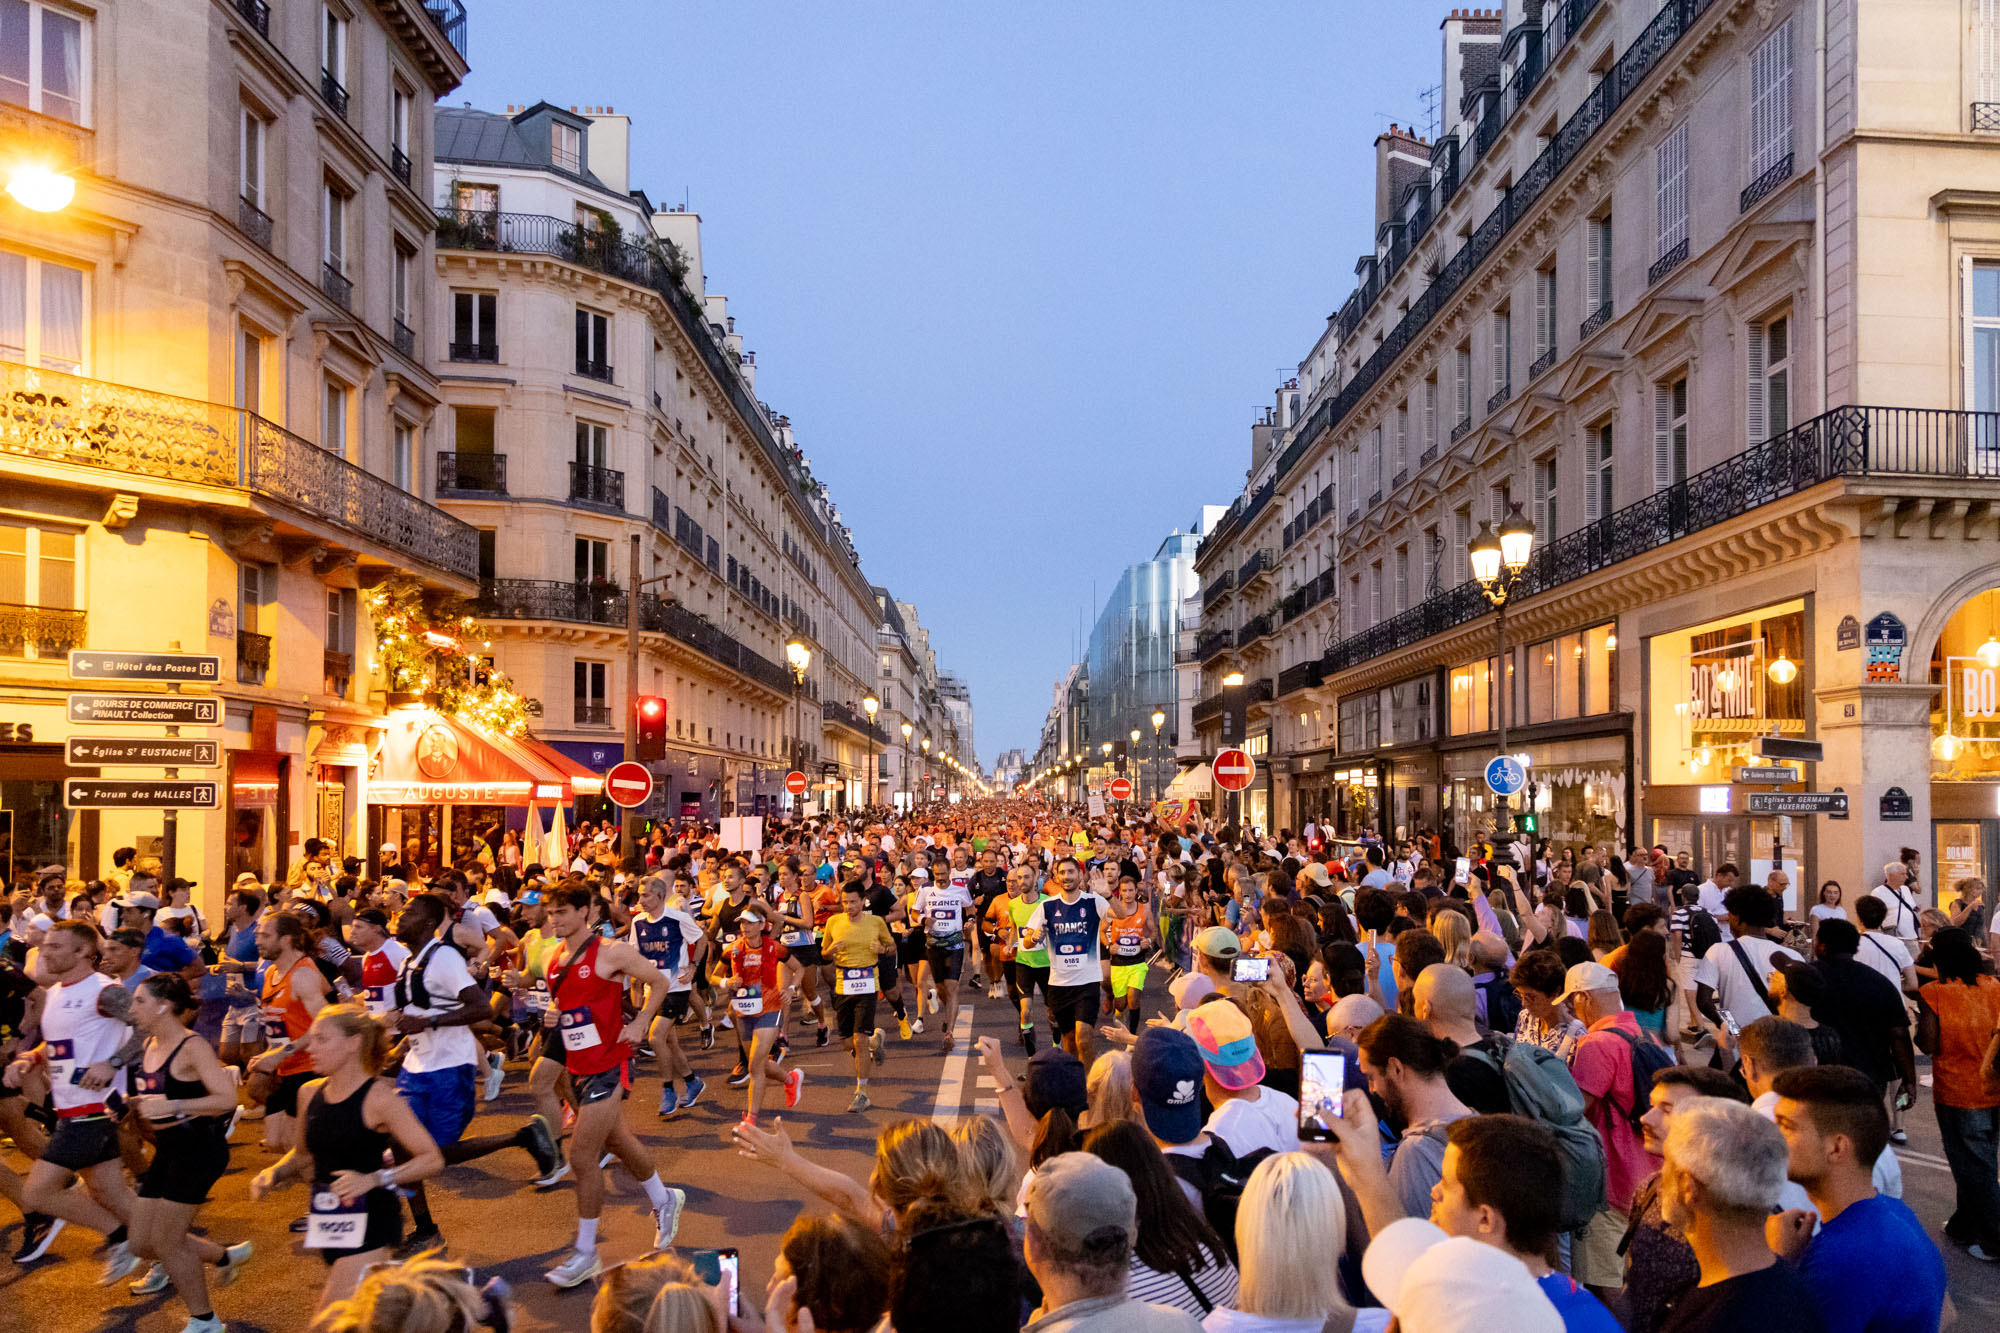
<point x="437" y="650"/>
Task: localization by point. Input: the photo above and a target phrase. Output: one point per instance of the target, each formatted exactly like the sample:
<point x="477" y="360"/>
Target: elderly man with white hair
<point x="1903" y="906"/>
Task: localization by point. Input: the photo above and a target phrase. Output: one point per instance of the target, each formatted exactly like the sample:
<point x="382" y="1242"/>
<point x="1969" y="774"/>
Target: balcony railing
<point x="1213" y="643"/>
<point x="338" y="672"/>
<point x="1254" y="568"/>
<point x="335" y="95"/>
<point x="1598" y="319"/>
<point x="1668" y="262"/>
<point x="594" y="370"/>
<point x="663" y="512"/>
<point x="336" y="286"/>
<point x="1215" y="589"/>
<point x="405" y="338"/>
<point x="257" y="14"/>
<point x="253" y="657"/>
<point x="459" y="473"/>
<point x="1254" y="629"/>
<point x="449" y="16"/>
<point x="1499" y="398"/>
<point x="254" y="222"/>
<point x="399" y="162"/>
<point x="1207" y="710"/>
<point x="1986" y="117"/>
<point x="122" y="430"/>
<point x="43" y="631"/>
<point x="1540" y="366"/>
<point x="484" y="353"/>
<point x="1300" y="676"/>
<point x="596" y="485"/>
<point x="590" y="713"/>
<point x="1428" y="456"/>
<point x="839" y="713"/>
<point x="1845" y="442"/>
<point x="1461" y="430"/>
<point x="1761" y="188"/>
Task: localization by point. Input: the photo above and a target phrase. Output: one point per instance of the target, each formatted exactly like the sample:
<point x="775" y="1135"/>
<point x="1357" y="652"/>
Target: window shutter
<point x="1989" y="51"/>
<point x="1663" y="436"/>
<point x="1545" y="311"/>
<point x="1594" y="268"/>
<point x="1541" y="470"/>
<point x="1758" y="426"/>
<point x="1593" y="480"/>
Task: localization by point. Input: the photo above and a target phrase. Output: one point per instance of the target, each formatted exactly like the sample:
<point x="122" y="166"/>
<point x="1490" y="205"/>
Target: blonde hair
<point x="425" y="1295"/>
<point x="1109" y="1087"/>
<point x="990" y="1160"/>
<point x="1290" y="1223"/>
<point x="917" y="1160"/>
<point x="355" y="1021"/>
<point x="681" y="1307"/>
<point x="1454" y="932"/>
<point x="627" y="1292"/>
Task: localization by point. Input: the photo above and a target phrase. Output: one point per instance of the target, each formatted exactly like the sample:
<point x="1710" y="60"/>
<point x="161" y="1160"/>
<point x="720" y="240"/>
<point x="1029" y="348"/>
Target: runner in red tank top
<point x="588" y="976"/>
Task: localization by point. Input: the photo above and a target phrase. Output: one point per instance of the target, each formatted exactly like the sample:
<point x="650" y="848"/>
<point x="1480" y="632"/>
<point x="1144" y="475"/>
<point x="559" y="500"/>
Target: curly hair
<point x="425" y="1295"/>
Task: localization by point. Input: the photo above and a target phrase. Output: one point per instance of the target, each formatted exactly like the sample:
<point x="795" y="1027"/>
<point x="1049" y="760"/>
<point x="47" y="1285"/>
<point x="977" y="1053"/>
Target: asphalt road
<point x="497" y="1224"/>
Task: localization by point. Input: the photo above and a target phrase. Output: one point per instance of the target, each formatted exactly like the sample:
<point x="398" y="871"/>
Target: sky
<point x="1020" y="273"/>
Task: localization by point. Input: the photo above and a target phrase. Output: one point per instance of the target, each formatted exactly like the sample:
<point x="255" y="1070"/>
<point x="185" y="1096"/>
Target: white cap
<point x="1434" y="1283"/>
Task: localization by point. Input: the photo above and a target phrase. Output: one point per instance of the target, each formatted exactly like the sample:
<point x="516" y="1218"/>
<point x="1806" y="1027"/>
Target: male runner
<point x="293" y="993"/>
<point x="1071" y="924"/>
<point x="665" y="936"/>
<point x="1129" y="938"/>
<point x="989" y="884"/>
<point x="382" y="959"/>
<point x="1029" y="967"/>
<point x="855" y="944"/>
<point x="942" y="907"/>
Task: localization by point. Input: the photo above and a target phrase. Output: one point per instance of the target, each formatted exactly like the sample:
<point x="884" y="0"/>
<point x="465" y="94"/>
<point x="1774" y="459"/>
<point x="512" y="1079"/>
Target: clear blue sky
<point x="1020" y="273"/>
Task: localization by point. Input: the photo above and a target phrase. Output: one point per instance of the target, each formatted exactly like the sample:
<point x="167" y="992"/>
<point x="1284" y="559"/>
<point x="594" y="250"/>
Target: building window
<point x="250" y="372"/>
<point x="1670" y="191"/>
<point x="593" y="560"/>
<point x="43" y="64"/>
<point x="593" y="707"/>
<point x="400" y="282"/>
<point x="37" y="569"/>
<point x="252" y="136"/>
<point x="1569" y="676"/>
<point x="467" y="198"/>
<point x="1597" y="264"/>
<point x="340" y="620"/>
<point x="399" y="120"/>
<point x="333" y="417"/>
<point x="257" y="587"/>
<point x="1545" y="498"/>
<point x="1670" y="433"/>
<point x="1770" y="379"/>
<point x="1982" y="336"/>
<point x="1545" y="311"/>
<point x="1402" y="588"/>
<point x="1402" y="437"/>
<point x="474" y="336"/>
<point x="41" y="313"/>
<point x="1503" y="349"/>
<point x="333" y="210"/>
<point x="333" y="46"/>
<point x="593" y="344"/>
<point x="1464" y="383"/>
<point x="566" y="147"/>
<point x="1461" y="548"/>
<point x="1375" y="593"/>
<point x="1771" y="101"/>
<point x="1472" y="697"/>
<point x="402" y="454"/>
<point x="1431" y="413"/>
<point x="591" y="444"/>
<point x="1597" y="472"/>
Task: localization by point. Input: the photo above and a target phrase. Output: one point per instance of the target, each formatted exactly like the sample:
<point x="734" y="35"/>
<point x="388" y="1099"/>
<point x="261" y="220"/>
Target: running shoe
<point x="794" y="1083"/>
<point x="932" y="995"/>
<point x="579" y="1268"/>
<point x="118" y="1261"/>
<point x="821" y="1039"/>
<point x="859" y="1104"/>
<point x="235" y="1117"/>
<point x="204" y="1323"/>
<point x="496" y="1073"/>
<point x="670" y="1101"/>
<point x="875" y="1045"/>
<point x="667" y="1218"/>
<point x="917" y="1026"/>
<point x="692" y="1092"/>
<point x="1898" y="1136"/>
<point x="1028" y="1040"/>
<point x="156" y="1279"/>
<point x="234" y="1257"/>
<point x="38" y="1232"/>
<point x="708" y="1038"/>
<point x="1982" y="1254"/>
<point x="739" y="1076"/>
<point x="549" y="1164"/>
<point x="903" y="1028"/>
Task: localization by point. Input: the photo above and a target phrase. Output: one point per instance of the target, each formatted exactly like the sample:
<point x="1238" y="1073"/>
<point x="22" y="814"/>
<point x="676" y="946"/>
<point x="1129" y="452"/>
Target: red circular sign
<point x="628" y="784"/>
<point x="795" y="783"/>
<point x="1121" y="789"/>
<point x="1233" y="770"/>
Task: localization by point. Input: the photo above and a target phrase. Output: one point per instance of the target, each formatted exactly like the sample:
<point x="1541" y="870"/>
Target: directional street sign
<point x="1789" y="747"/>
<point x="169" y="751"/>
<point x="1798" y="803"/>
<point x="140" y="794"/>
<point x="1505" y="775"/>
<point x="629" y="785"/>
<point x="1764" y="773"/>
<point x="172" y="710"/>
<point x="1234" y="770"/>
<point x="111" y="664"/>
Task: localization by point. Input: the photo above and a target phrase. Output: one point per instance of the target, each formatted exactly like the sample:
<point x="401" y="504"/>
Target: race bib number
<point x="796" y="939"/>
<point x="274" y="1027"/>
<point x="748" y="1001"/>
<point x="857" y="981"/>
<point x="62" y="1061"/>
<point x="377" y="999"/>
<point x="579" y="1033"/>
<point x="333" y="1225"/>
<point x="538" y="998"/>
<point x="945" y="920"/>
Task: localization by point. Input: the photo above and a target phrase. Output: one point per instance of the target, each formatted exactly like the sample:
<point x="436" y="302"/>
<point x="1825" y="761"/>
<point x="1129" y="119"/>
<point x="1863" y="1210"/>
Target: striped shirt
<point x="1216" y="1279"/>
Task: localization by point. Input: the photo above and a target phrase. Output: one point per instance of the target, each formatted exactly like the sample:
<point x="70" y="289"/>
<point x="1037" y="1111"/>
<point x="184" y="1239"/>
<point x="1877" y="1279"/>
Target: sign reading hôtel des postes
<point x="113" y="664"/>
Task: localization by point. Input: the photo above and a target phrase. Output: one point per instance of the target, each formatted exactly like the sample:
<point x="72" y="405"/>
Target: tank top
<point x="379" y="971"/>
<point x="338" y="1136"/>
<point x="1126" y="938"/>
<point x="160" y="1082"/>
<point x="75" y="1037"/>
<point x="285" y="1017"/>
<point x="591" y="1014"/>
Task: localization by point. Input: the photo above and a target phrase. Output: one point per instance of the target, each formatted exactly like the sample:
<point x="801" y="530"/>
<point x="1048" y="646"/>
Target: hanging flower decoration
<point x="434" y="647"/>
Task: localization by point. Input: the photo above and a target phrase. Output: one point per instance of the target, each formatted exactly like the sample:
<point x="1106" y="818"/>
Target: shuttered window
<point x="1597" y="262"/>
<point x="1771" y="100"/>
<point x="1986" y="38"/>
<point x="1597" y="472"/>
<point x="1545" y="311"/>
<point x="1670" y="167"/>
<point x="1545" y="498"/>
<point x="1768" y="379"/>
<point x="1670" y="432"/>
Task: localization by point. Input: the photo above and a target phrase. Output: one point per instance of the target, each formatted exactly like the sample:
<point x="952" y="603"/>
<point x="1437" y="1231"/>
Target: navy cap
<point x="1055" y="1079"/>
<point x="1166" y="1075"/>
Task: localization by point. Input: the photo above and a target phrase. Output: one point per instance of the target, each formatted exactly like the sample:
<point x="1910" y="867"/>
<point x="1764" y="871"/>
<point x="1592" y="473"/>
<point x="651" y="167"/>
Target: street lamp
<point x="1497" y="562"/>
<point x="1233" y="681"/>
<point x="800" y="657"/>
<point x="907" y="729"/>
<point x="1159" y="720"/>
<point x="925" y="746"/>
<point x="870" y="705"/>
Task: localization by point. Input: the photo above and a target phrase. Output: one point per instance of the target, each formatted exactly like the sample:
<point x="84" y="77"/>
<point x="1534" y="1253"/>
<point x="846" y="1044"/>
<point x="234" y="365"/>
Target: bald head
<point x="1489" y="951"/>
<point x="1444" y="994"/>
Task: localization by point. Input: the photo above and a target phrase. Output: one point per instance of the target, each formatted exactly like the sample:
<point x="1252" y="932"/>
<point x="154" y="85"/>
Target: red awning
<point x="428" y="758"/>
<point x="582" y="781"/>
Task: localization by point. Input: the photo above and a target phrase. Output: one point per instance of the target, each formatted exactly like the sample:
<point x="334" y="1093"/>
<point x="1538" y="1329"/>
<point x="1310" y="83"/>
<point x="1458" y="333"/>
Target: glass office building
<point x="1131" y="660"/>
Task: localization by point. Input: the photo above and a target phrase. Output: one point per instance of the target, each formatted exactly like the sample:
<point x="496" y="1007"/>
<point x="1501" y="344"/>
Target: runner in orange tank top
<point x="293" y="993"/>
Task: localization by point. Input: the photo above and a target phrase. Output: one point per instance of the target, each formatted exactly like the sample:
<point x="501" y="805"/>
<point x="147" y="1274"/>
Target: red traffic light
<point x="651" y="711"/>
<point x="652" y="706"/>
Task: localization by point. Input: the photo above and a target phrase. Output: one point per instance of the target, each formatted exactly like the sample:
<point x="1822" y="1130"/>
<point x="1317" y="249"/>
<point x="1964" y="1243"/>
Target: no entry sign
<point x="628" y="785"/>
<point x="1121" y="789"/>
<point x="1233" y="770"/>
<point x="795" y="783"/>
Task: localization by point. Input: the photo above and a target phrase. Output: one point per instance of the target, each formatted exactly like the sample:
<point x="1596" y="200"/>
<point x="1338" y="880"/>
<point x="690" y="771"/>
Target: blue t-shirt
<point x="1581" y="1312"/>
<point x="659" y="942"/>
<point x="165" y="952"/>
<point x="1876" y="1269"/>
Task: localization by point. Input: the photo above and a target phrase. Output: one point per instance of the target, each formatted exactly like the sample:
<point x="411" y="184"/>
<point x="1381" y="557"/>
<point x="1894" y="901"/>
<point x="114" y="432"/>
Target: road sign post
<point x="167" y="794"/>
<point x="173" y="668"/>
<point x="1798" y="803"/>
<point x="629" y="785"/>
<point x="172" y="710"/>
<point x="1120" y="789"/>
<point x="121" y="751"/>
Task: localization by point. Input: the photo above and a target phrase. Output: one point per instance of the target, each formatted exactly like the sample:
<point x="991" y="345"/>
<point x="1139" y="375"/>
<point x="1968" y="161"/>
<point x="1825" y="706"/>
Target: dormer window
<point x="566" y="147"/>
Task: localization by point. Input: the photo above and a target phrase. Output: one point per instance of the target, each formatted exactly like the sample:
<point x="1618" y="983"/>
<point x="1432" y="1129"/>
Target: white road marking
<point x="951" y="1081"/>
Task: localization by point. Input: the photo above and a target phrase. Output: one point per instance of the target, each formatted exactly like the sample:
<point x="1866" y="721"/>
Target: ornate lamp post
<point x="871" y="705"/>
<point x="1159" y="720"/>
<point x="1497" y="562"/>
<point x="799" y="657"/>
<point x="907" y="729"/>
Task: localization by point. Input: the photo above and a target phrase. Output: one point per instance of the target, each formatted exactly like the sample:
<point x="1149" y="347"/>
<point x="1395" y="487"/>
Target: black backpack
<point x="1503" y="1004"/>
<point x="1648" y="1059"/>
<point x="1703" y="933"/>
<point x="1219" y="1175"/>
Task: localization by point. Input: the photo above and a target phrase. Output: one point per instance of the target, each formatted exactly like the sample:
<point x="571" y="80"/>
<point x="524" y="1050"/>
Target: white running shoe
<point x="917" y="1026"/>
<point x="579" y="1268"/>
<point x="118" y="1261"/>
<point x="496" y="1073"/>
<point x="204" y="1324"/>
<point x="239" y="1254"/>
<point x="667" y="1218"/>
<point x="156" y="1279"/>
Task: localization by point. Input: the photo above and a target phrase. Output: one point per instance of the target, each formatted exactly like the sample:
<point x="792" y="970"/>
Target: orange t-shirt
<point x="1967" y="1016"/>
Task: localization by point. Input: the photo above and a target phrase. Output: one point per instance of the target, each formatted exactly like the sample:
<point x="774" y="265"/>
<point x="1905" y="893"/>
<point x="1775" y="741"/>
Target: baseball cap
<point x="246" y="877"/>
<point x="1435" y="1283"/>
<point x="1055" y="1079"/>
<point x="1316" y="872"/>
<point x="1189" y="989"/>
<point x="1077" y="1198"/>
<point x="146" y="900"/>
<point x="1586" y="977"/>
<point x="52" y="872"/>
<point x="1218" y="942"/>
<point x="1227" y="1043"/>
<point x="178" y="883"/>
<point x="1166" y="1076"/>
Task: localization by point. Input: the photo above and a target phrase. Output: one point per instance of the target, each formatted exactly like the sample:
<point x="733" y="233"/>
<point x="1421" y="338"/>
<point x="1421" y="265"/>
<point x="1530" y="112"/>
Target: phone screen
<point x="716" y="1266"/>
<point x="1463" y="873"/>
<point x="1251" y="969"/>
<point x="1322" y="1080"/>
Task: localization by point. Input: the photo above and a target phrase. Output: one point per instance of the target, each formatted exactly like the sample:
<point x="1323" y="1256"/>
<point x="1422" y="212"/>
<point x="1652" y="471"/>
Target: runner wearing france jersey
<point x="665" y="937"/>
<point x="1070" y="925"/>
<point x="382" y="957"/>
<point x="944" y="908"/>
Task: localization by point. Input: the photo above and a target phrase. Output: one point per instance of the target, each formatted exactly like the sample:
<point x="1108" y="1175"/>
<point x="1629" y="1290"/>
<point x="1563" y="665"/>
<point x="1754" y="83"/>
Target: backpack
<point x="1702" y="932"/>
<point x="1219" y="1175"/>
<point x="1541" y="1088"/>
<point x="1503" y="1003"/>
<point x="1648" y="1059"/>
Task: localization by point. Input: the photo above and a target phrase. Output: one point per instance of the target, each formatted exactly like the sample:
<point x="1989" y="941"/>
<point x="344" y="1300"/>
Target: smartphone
<point x="1729" y="1021"/>
<point x="717" y="1266"/>
<point x="1322" y="1082"/>
<point x="1462" y="874"/>
<point x="1250" y="969"/>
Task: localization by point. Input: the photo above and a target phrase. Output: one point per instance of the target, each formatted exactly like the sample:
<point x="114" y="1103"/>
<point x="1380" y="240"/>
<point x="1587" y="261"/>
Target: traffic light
<point x="652" y="711"/>
<point x="1529" y="822"/>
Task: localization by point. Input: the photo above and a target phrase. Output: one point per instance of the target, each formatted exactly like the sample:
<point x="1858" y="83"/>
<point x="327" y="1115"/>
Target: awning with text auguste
<point x="428" y="758"/>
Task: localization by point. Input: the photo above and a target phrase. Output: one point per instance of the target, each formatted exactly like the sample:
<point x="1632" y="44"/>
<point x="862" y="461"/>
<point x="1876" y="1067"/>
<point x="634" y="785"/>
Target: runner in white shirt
<point x="942" y="907"/>
<point x="666" y="935"/>
<point x="1073" y="924"/>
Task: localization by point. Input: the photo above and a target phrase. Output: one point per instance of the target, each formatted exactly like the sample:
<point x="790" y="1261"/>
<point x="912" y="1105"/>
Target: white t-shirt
<point x="1070" y="933"/>
<point x="1886" y="954"/>
<point x="75" y="1037"/>
<point x="481" y="918"/>
<point x="1268" y="1120"/>
<point x="943" y="906"/>
<point x="1720" y="972"/>
<point x="445" y="975"/>
<point x="1821" y="912"/>
<point x="1902" y="904"/>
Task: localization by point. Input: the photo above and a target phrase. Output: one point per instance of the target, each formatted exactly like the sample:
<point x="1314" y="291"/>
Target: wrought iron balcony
<point x="1254" y="629"/>
<point x="449" y="16"/>
<point x="1499" y="398"/>
<point x="589" y="713"/>
<point x="43" y="631"/>
<point x="1598" y="319"/>
<point x="1986" y="117"/>
<point x="678" y="622"/>
<point x="399" y="162"/>
<point x="483" y="353"/>
<point x="339" y="671"/>
<point x="596" y="485"/>
<point x="1209" y="709"/>
<point x="1461" y="430"/>
<point x="1761" y="188"/>
<point x="257" y="14"/>
<point x="1213" y="643"/>
<point x="123" y="431"/>
<point x="336" y="286"/>
<point x="594" y="370"/>
<point x="335" y="95"/>
<point x="1396" y="482"/>
<point x="1541" y="366"/>
<point x="405" y="338"/>
<point x="1215" y="589"/>
<point x="1300" y="676"/>
<point x="461" y="473"/>
<point x="1353" y="517"/>
<point x="253" y="657"/>
<point x="853" y="719"/>
<point x="1255" y="568"/>
<point x="549" y="599"/>
<point x="1428" y="456"/>
<point x="663" y="511"/>
<point x="1668" y="262"/>
<point x="253" y="222"/>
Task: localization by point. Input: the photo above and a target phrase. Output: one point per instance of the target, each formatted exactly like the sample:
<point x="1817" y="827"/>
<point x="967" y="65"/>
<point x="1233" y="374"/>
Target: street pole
<point x="629" y="825"/>
<point x="1502" y="818"/>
